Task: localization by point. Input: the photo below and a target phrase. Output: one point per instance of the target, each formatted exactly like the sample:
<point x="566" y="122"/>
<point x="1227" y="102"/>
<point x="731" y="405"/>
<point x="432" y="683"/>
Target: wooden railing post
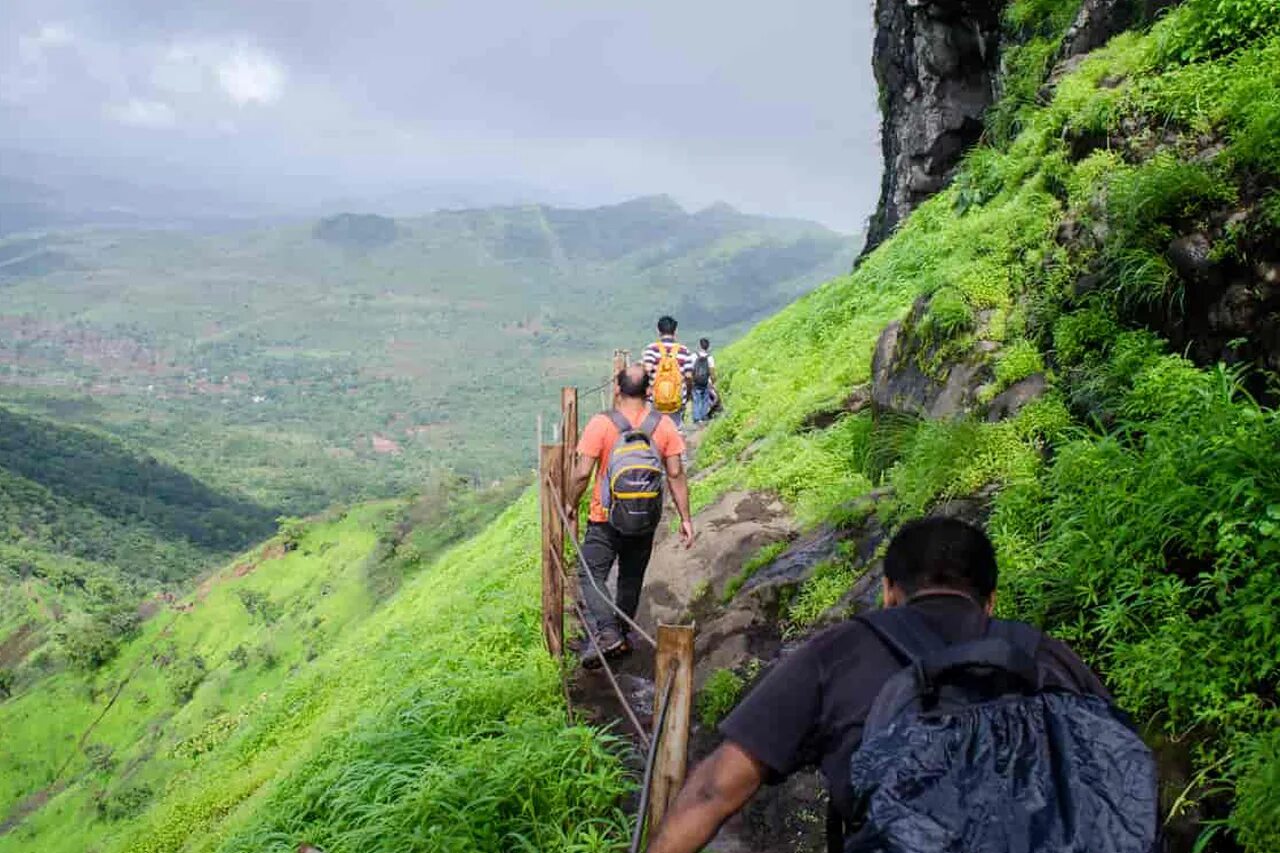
<point x="551" y="486"/>
<point x="674" y="664"/>
<point x="569" y="458"/>
<point x="569" y="441"/>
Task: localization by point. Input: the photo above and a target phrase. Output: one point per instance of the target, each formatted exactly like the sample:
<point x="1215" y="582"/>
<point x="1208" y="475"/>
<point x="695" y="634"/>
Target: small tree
<point x="290" y="530"/>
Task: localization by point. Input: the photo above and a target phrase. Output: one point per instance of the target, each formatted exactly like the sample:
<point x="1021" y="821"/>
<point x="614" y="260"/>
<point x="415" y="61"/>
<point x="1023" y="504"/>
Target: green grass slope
<point x="310" y="364"/>
<point x="89" y="528"/>
<point x="1139" y="511"/>
<point x="294" y="701"/>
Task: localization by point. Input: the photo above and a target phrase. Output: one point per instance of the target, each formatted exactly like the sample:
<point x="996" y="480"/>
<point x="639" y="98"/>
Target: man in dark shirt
<point x="810" y="710"/>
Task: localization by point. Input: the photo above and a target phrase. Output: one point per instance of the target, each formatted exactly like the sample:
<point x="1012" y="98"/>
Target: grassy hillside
<point x="282" y="702"/>
<point x="348" y="358"/>
<point x="1139" y="503"/>
<point x="90" y="529"/>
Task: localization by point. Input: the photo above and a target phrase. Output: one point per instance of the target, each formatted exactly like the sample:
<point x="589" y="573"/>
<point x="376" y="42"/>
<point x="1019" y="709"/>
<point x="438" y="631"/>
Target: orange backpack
<point x="668" y="380"/>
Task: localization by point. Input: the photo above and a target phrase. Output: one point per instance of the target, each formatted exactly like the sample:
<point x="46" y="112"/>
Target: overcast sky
<point x="769" y="106"/>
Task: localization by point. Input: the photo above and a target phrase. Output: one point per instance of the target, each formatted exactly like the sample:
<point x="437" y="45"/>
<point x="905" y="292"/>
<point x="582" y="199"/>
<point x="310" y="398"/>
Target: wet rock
<point x="1236" y="309"/>
<point x="790" y="816"/>
<point x="899" y="385"/>
<point x="795" y="564"/>
<point x="858" y="400"/>
<point x="974" y="509"/>
<point x="1099" y="20"/>
<point x="936" y="65"/>
<point x="1190" y="256"/>
<point x="1011" y="400"/>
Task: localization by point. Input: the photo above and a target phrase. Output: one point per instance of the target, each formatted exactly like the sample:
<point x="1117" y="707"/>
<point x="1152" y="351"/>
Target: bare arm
<point x="578" y="485"/>
<point x="679" y="485"/>
<point x="717" y="789"/>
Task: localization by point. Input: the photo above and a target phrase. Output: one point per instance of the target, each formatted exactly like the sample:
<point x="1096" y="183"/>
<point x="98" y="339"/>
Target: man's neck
<point x="631" y="407"/>
<point x="667" y="339"/>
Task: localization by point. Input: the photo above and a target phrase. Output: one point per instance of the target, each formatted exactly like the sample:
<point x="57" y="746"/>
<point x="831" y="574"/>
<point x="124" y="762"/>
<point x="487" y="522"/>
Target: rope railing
<point x="594" y="639"/>
<point x="586" y="570"/>
<point x="665" y="746"/>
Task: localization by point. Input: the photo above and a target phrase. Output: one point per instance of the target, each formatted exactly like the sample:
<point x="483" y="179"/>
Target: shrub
<point x="88" y="642"/>
<point x="125" y="803"/>
<point x="718" y="696"/>
<point x="258" y="605"/>
<point x="1016" y="362"/>
<point x="185" y="676"/>
<point x="1207" y="28"/>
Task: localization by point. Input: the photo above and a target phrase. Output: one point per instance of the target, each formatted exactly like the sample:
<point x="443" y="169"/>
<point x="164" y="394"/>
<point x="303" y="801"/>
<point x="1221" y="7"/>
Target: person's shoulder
<point x="666" y="427"/>
<point x="598" y="425"/>
<point x="840" y="639"/>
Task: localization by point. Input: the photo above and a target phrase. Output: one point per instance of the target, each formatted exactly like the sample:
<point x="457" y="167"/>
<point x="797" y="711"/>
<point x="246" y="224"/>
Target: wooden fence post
<point x="569" y="440"/>
<point x="551" y="472"/>
<point x="674" y="663"/>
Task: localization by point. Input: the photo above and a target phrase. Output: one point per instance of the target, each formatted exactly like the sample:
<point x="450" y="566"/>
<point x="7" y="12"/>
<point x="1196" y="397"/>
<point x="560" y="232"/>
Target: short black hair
<point x="944" y="553"/>
<point x="705" y="343"/>
<point x="631" y="383"/>
<point x="666" y="325"/>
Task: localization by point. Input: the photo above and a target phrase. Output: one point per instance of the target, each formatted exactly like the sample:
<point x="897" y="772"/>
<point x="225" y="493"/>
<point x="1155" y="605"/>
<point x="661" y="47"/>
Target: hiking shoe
<point x="621" y="650"/>
<point x="611" y="643"/>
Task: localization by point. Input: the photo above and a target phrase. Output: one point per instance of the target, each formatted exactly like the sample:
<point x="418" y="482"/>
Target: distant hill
<point x="356" y="231"/>
<point x="350" y="357"/>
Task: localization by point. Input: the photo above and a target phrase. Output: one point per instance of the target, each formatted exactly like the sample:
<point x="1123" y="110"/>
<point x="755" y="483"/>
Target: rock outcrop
<point x="936" y="63"/>
<point x="911" y="374"/>
<point x="1099" y="20"/>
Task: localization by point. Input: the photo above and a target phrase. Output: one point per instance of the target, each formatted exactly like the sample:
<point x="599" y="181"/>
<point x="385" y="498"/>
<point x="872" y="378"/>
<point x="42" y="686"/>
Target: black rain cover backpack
<point x="968" y="750"/>
<point x="702" y="371"/>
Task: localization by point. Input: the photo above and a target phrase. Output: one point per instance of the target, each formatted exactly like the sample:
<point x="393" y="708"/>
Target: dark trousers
<point x="601" y="546"/>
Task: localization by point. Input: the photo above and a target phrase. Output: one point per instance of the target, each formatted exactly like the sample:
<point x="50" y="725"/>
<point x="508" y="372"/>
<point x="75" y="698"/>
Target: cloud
<point x="235" y="71"/>
<point x="249" y="76"/>
<point x="32" y="47"/>
<point x="775" y="113"/>
<point x="28" y="75"/>
<point x="140" y="112"/>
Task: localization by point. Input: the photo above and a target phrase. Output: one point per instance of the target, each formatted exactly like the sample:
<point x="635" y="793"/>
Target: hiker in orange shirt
<point x="631" y="451"/>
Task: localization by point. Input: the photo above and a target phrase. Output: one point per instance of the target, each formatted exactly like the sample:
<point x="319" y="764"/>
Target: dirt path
<point x="683" y="586"/>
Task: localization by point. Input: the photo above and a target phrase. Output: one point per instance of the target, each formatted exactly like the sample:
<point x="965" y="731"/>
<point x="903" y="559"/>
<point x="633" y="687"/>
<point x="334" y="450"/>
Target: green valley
<point x="350" y="357"/>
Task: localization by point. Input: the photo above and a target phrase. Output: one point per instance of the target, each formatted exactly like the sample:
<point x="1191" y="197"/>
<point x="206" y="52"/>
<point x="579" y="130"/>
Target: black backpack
<point x="972" y="748"/>
<point x="702" y="370"/>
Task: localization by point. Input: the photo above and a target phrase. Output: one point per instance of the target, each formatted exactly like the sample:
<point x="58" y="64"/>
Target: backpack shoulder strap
<point x="1009" y="646"/>
<point x="620" y="421"/>
<point x="1019" y="634"/>
<point x="650" y="423"/>
<point x="905" y="632"/>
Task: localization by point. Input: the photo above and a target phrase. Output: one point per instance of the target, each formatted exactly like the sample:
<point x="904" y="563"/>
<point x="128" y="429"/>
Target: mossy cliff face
<point x="940" y="66"/>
